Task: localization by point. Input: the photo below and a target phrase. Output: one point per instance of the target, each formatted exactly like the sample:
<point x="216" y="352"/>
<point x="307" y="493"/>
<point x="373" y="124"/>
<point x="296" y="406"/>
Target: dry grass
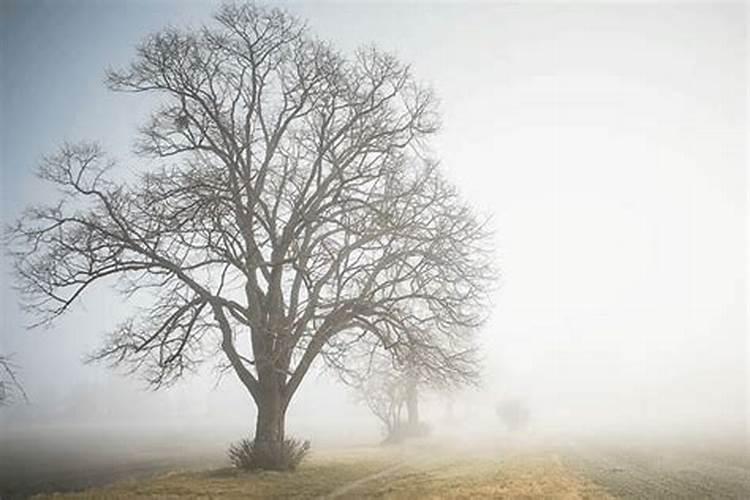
<point x="514" y="477"/>
<point x="359" y="474"/>
<point x="321" y="475"/>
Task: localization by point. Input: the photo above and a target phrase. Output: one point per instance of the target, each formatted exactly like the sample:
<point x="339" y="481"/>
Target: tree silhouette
<point x="294" y="215"/>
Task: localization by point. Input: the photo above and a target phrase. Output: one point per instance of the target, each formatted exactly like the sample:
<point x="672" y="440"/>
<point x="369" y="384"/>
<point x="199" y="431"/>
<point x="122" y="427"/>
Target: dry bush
<point x="248" y="454"/>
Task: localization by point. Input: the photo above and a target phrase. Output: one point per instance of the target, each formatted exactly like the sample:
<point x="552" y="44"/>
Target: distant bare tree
<point x="384" y="393"/>
<point x="391" y="387"/>
<point x="513" y="413"/>
<point x="294" y="214"/>
<point x="10" y="386"/>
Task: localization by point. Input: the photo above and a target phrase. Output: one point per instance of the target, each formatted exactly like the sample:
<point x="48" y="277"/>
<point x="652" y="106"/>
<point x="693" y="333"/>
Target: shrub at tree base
<point x="249" y="454"/>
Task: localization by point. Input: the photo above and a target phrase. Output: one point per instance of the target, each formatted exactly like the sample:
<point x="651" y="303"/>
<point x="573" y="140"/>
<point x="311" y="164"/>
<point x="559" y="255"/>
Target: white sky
<point x="608" y="142"/>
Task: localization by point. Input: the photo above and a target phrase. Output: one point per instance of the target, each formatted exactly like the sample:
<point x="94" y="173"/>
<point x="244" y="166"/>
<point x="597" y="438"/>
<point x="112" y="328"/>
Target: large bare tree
<point x="294" y="214"/>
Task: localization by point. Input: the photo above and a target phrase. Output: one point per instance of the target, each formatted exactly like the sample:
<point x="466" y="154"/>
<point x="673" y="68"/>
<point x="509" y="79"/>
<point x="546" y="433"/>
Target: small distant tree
<point x="384" y="393"/>
<point x="391" y="387"/>
<point x="292" y="216"/>
<point x="513" y="413"/>
<point x="11" y="389"/>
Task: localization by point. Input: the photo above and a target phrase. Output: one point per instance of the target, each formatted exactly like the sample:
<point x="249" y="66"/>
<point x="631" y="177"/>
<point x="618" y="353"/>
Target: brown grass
<point x="359" y="474"/>
<point x="322" y="475"/>
<point x="515" y="477"/>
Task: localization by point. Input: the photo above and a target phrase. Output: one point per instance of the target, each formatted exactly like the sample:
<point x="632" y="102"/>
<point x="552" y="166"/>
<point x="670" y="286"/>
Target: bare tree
<point x="10" y="386"/>
<point x="383" y="390"/>
<point x="513" y="413"/>
<point x="294" y="214"/>
<point x="391" y="387"/>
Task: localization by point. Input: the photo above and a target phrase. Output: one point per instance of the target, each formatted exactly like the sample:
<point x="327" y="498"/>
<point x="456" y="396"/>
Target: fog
<point x="607" y="142"/>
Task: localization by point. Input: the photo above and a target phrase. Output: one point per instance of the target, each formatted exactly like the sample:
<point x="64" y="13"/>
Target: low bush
<point x="248" y="454"/>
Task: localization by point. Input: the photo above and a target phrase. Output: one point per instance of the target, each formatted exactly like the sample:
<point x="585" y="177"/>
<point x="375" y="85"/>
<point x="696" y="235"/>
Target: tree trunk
<point x="269" y="425"/>
<point x="412" y="405"/>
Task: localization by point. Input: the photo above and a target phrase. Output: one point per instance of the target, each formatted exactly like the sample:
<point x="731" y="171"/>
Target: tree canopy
<point x="295" y="212"/>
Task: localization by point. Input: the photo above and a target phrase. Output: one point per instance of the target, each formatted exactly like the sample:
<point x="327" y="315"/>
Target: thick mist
<point x="607" y="142"/>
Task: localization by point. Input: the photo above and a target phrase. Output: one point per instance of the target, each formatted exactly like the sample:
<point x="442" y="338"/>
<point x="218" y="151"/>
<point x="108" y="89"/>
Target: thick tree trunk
<point x="270" y="424"/>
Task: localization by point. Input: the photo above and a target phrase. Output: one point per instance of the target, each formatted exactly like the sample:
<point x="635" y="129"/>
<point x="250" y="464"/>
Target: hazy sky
<point x="607" y="141"/>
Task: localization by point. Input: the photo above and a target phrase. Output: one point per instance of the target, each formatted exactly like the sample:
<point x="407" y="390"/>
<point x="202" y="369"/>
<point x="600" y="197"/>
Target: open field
<point x="71" y="459"/>
<point x="374" y="473"/>
<point x="674" y="472"/>
<point x="427" y="469"/>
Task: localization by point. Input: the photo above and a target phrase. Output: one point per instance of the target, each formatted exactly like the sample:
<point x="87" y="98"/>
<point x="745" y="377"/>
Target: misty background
<point x="608" y="142"/>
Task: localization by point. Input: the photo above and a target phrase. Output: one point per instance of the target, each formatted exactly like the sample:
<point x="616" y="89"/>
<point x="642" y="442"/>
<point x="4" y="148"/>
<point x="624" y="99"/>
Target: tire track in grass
<point x="348" y="488"/>
<point x="409" y="459"/>
<point x="519" y="476"/>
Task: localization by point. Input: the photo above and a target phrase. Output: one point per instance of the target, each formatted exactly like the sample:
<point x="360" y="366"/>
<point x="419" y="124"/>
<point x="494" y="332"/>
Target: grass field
<point x="432" y="469"/>
<point x="374" y="473"/>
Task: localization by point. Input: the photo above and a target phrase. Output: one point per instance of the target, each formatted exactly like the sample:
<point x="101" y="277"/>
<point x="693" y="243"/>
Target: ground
<point x="678" y="471"/>
<point x="436" y="470"/>
<point x="395" y="473"/>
